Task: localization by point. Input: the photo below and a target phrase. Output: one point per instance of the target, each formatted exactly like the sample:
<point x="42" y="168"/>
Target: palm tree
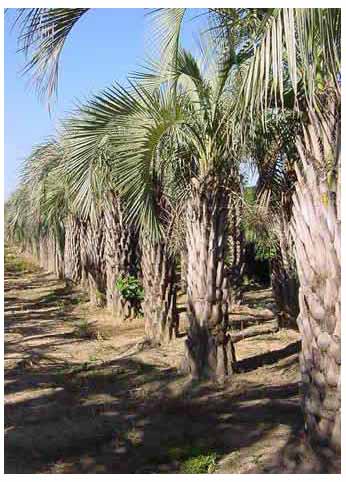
<point x="38" y="177"/>
<point x="93" y="140"/>
<point x="88" y="167"/>
<point x="295" y="47"/>
<point x="192" y="114"/>
<point x="302" y="47"/>
<point x="275" y="154"/>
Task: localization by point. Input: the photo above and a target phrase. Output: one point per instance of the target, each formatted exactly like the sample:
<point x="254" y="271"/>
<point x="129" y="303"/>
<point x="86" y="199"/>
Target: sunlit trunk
<point x="160" y="292"/>
<point x="72" y="250"/>
<point x="316" y="231"/>
<point x="43" y="252"/>
<point x="235" y="264"/>
<point x="208" y="347"/>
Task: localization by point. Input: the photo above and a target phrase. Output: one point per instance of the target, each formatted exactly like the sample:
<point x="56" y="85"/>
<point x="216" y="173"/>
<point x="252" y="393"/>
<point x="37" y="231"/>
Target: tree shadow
<point x="269" y="358"/>
<point x="126" y="416"/>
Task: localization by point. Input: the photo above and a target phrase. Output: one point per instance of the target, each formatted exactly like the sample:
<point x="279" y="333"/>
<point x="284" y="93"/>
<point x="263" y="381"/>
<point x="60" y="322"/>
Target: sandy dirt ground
<point x="83" y="395"/>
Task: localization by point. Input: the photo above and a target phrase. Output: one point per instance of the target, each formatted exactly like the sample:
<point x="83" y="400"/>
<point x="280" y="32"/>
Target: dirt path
<point x="82" y="396"/>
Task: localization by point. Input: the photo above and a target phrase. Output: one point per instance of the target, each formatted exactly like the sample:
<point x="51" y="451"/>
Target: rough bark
<point x="93" y="259"/>
<point x="160" y="292"/>
<point x="235" y="265"/>
<point x="183" y="270"/>
<point x="120" y="256"/>
<point x="284" y="279"/>
<point x="316" y="230"/>
<point x="72" y="255"/>
<point x="51" y="253"/>
<point x="209" y="351"/>
<point x="43" y="257"/>
<point x="59" y="261"/>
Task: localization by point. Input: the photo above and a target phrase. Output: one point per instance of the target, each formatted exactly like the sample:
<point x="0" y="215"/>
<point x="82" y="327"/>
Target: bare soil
<point x="83" y="395"/>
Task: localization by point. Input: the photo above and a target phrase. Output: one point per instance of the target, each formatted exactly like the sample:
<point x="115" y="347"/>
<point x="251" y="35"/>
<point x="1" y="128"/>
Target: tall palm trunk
<point x="72" y="254"/>
<point x="208" y="347"/>
<point x="120" y="256"/>
<point x="284" y="280"/>
<point x="43" y="252"/>
<point x="83" y="236"/>
<point x="183" y="270"/>
<point x="235" y="263"/>
<point x="94" y="240"/>
<point x="316" y="230"/>
<point x="160" y="292"/>
<point x="59" y="261"/>
<point x="51" y="250"/>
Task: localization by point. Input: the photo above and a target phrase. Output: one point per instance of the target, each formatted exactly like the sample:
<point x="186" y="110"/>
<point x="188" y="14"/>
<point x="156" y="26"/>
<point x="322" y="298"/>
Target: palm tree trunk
<point x="236" y="250"/>
<point x="43" y="252"/>
<point x="284" y="279"/>
<point x="59" y="261"/>
<point x="183" y="271"/>
<point x="51" y="253"/>
<point x="316" y="231"/>
<point x="95" y="262"/>
<point x="209" y="351"/>
<point x="160" y="292"/>
<point x="72" y="254"/>
<point x="120" y="256"/>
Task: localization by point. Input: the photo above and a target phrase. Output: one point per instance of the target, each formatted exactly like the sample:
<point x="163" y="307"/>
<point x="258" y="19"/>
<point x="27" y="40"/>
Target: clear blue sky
<point x="104" y="46"/>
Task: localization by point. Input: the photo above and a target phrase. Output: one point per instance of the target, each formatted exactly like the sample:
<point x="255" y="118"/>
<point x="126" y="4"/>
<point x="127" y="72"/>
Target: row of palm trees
<point x="144" y="182"/>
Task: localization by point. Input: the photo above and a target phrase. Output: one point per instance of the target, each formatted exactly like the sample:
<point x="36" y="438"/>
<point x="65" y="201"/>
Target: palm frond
<point x="43" y="32"/>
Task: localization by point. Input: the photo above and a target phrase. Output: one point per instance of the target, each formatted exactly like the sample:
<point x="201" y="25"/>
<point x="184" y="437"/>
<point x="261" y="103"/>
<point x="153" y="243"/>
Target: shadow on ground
<point x="144" y="428"/>
<point x="129" y="416"/>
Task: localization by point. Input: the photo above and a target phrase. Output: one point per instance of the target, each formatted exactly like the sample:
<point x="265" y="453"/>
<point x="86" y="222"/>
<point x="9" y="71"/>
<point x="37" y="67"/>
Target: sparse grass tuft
<point x="199" y="464"/>
<point x="16" y="265"/>
<point x="193" y="460"/>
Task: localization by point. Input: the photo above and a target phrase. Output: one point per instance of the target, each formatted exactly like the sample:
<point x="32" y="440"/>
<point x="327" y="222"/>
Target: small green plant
<point x="130" y="288"/>
<point x="199" y="464"/>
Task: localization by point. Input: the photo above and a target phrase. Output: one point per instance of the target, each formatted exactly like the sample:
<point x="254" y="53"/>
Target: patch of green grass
<point x="199" y="464"/>
<point x="193" y="460"/>
<point x="16" y="265"/>
<point x="76" y="301"/>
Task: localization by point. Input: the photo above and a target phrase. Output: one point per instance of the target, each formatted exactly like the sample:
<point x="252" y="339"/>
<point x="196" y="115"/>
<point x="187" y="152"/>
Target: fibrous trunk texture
<point x="209" y="352"/>
<point x="235" y="265"/>
<point x="120" y="256"/>
<point x="93" y="259"/>
<point x="316" y="230"/>
<point x="284" y="279"/>
<point x="59" y="261"/>
<point x="183" y="270"/>
<point x="72" y="255"/>
<point x="43" y="252"/>
<point x="160" y="292"/>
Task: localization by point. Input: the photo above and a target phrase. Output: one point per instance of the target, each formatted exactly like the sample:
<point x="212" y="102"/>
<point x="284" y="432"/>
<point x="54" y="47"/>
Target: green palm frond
<point x="299" y="46"/>
<point x="43" y="32"/>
